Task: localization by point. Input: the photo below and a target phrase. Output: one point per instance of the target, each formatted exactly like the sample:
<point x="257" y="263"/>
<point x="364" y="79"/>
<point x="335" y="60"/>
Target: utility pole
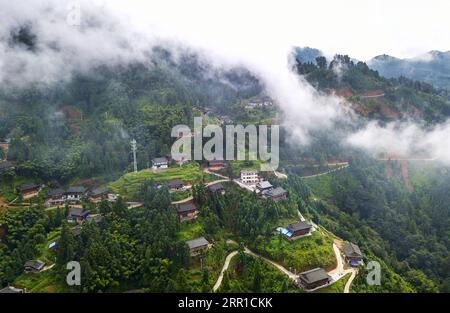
<point x="133" y="149"/>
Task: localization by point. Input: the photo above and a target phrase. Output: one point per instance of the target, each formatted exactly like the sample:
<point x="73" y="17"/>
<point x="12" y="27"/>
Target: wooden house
<point x="353" y="254"/>
<point x="186" y="211"/>
<point x="28" y="190"/>
<point x="197" y="245"/>
<point x="34" y="266"/>
<point x="314" y="278"/>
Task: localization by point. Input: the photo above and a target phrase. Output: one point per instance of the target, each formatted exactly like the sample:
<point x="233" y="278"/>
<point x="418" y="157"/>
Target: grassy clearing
<point x="8" y="189"/>
<point x="212" y="262"/>
<point x="178" y="196"/>
<point x="256" y="116"/>
<point x="302" y="254"/>
<point x="191" y="229"/>
<point x="321" y="185"/>
<point x="45" y="282"/>
<point x="337" y="287"/>
<point x="243" y="279"/>
<point x="128" y="185"/>
<point x="47" y="255"/>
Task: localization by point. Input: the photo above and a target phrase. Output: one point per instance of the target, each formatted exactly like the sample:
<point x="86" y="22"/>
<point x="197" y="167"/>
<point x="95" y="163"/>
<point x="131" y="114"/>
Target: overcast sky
<point x="360" y="28"/>
<point x="257" y="34"/>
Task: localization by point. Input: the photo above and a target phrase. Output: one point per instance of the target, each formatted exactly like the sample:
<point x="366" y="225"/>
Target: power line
<point x="133" y="149"/>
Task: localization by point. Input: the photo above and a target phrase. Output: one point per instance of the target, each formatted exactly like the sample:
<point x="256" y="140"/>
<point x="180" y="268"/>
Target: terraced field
<point x="128" y="185"/>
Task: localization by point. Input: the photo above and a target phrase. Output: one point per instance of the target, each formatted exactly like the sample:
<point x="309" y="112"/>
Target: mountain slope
<point x="432" y="67"/>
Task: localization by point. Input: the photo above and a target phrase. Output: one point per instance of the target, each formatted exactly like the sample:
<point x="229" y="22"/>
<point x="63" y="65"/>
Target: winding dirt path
<point x="280" y="267"/>
<point x="350" y="280"/>
<point x="184" y="200"/>
<point x="280" y="175"/>
<point x="339" y="272"/>
<point x="224" y="268"/>
<point x="248" y="251"/>
<point x="336" y="274"/>
<point x="207" y="171"/>
<point x="216" y="182"/>
<point x="327" y="172"/>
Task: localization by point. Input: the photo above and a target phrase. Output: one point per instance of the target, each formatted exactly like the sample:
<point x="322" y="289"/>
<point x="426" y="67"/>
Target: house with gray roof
<point x="313" y="279"/>
<point x="216" y="188"/>
<point x="175" y="185"/>
<point x="98" y="194"/>
<point x="11" y="289"/>
<point x="299" y="229"/>
<point x="77" y="215"/>
<point x="197" y="245"/>
<point x="29" y="190"/>
<point x="277" y="194"/>
<point x="353" y="254"/>
<point x="34" y="266"/>
<point x="264" y="185"/>
<point x="186" y="211"/>
<point x="75" y="193"/>
<point x="160" y="162"/>
<point x="55" y="197"/>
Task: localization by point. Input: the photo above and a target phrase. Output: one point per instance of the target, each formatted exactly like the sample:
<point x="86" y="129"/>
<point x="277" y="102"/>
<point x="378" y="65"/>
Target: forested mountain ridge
<point x="373" y="95"/>
<point x="82" y="128"/>
<point x="401" y="204"/>
<point x="432" y="67"/>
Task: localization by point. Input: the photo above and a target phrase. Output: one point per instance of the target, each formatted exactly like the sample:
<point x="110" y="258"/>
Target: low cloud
<point x="38" y="44"/>
<point x="404" y="140"/>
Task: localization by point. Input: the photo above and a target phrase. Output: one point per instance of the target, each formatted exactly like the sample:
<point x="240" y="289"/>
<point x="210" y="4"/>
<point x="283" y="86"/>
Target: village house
<point x="28" y="190"/>
<point x="34" y="266"/>
<point x="215" y="165"/>
<point x="186" y="211"/>
<point x="5" y="142"/>
<point x="75" y="193"/>
<point x="259" y="102"/>
<point x="299" y="229"/>
<point x="264" y="186"/>
<point x="216" y="188"/>
<point x="161" y="162"/>
<point x="98" y="194"/>
<point x="55" y="197"/>
<point x="249" y="177"/>
<point x="313" y="279"/>
<point x="175" y="185"/>
<point x="77" y="215"/>
<point x="11" y="289"/>
<point x="277" y="194"/>
<point x="353" y="254"/>
<point x="197" y="245"/>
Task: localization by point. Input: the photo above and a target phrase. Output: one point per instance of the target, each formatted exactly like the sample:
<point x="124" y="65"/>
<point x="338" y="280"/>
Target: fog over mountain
<point x="43" y="42"/>
<point x="432" y="67"/>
